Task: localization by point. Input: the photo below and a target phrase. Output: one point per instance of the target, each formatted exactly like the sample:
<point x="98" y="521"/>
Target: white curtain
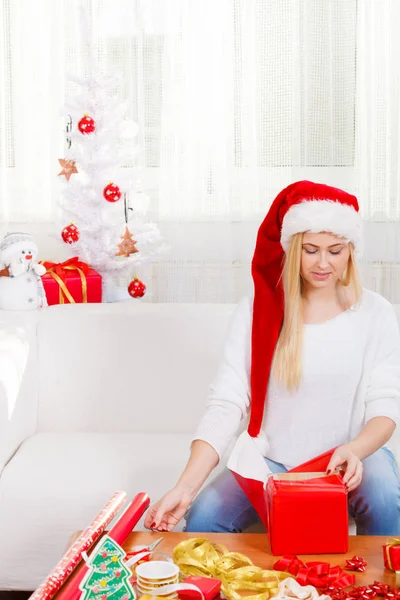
<point x="377" y="159"/>
<point x="31" y="94"/>
<point x="234" y="100"/>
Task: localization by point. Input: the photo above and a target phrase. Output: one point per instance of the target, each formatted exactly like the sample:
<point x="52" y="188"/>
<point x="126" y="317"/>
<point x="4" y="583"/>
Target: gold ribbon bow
<point x="392" y="541"/>
<point x="58" y="273"/>
<point x="198" y="556"/>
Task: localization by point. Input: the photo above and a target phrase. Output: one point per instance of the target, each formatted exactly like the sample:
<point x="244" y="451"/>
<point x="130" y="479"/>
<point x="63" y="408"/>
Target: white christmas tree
<point x="103" y="205"/>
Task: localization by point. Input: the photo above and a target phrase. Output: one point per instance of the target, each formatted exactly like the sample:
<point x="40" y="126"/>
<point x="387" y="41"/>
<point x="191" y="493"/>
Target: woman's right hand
<point x="165" y="514"/>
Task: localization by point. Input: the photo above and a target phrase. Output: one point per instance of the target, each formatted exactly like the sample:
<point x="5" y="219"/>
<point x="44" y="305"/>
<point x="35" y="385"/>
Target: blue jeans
<point x="222" y="506"/>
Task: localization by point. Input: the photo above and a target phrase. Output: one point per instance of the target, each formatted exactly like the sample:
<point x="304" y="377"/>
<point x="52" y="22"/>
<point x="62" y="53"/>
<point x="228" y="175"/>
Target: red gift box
<point x="307" y="513"/>
<point x="209" y="586"/>
<point x="70" y="282"/>
<point x="391" y="554"/>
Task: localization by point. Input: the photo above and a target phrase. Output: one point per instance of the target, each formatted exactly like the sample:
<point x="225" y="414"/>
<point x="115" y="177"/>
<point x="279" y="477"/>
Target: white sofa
<point x="94" y="399"/>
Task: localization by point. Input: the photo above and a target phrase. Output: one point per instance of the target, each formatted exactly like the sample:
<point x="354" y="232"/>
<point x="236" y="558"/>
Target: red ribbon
<point x="357" y="563"/>
<point x="318" y="574"/>
<point x="381" y="589"/>
<point x="393" y="594"/>
<point x="61" y="269"/>
<point x="335" y="593"/>
<point x="362" y="592"/>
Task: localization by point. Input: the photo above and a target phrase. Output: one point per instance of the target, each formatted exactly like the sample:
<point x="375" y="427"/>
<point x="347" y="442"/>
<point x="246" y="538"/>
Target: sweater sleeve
<point x="229" y="396"/>
<point x="383" y="391"/>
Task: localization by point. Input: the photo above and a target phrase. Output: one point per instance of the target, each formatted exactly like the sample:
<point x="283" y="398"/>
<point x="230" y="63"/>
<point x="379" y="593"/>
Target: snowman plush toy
<point x="21" y="288"/>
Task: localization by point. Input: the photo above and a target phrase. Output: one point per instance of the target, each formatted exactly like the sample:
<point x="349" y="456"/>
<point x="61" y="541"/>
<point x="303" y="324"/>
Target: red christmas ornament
<point x="112" y="193"/>
<point x="136" y="288"/>
<point x="357" y="563"/>
<point x="87" y="124"/>
<point x="70" y="234"/>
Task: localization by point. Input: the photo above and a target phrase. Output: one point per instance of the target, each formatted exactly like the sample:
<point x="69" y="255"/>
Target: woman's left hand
<point x="344" y="457"/>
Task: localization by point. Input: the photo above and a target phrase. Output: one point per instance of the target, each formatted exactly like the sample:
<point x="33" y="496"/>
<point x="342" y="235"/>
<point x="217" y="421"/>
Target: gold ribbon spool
<point x="198" y="556"/>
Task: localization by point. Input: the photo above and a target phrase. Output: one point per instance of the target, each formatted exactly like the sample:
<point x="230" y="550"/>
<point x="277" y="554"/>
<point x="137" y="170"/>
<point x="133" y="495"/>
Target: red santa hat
<point x="303" y="206"/>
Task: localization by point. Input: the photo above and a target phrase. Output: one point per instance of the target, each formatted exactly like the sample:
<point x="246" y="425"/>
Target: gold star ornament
<point x="68" y="168"/>
<point x="126" y="245"/>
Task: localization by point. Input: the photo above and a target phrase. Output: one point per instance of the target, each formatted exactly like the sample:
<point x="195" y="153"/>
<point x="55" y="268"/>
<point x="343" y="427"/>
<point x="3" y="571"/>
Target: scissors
<point x="149" y="548"/>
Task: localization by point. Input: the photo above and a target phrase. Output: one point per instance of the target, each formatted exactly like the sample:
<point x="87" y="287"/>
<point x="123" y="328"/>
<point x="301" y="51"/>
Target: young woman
<point x="315" y="359"/>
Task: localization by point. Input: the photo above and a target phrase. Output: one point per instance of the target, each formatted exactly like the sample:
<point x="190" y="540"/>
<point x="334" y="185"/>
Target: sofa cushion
<point x="57" y="483"/>
<point x="128" y="367"/>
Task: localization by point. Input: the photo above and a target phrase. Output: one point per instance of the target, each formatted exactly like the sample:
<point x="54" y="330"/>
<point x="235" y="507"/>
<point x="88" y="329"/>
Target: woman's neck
<point x="321" y="305"/>
<point x="314" y="295"/>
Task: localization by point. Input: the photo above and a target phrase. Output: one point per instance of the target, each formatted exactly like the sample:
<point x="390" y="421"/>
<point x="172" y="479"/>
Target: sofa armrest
<point x="18" y="380"/>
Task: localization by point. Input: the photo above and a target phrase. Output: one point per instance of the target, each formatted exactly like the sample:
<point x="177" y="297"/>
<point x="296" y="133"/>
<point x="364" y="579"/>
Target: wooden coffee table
<point x="256" y="547"/>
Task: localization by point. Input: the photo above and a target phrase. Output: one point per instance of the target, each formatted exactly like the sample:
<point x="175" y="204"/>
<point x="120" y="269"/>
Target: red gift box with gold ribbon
<point x="391" y="554"/>
<point x="70" y="282"/>
<point x="307" y="511"/>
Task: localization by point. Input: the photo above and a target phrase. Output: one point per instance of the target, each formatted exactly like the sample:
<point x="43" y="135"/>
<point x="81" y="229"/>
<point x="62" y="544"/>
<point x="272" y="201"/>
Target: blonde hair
<point x="287" y="364"/>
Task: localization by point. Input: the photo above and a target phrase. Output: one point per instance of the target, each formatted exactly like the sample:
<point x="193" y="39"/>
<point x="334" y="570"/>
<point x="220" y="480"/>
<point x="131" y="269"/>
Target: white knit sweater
<point x="351" y="373"/>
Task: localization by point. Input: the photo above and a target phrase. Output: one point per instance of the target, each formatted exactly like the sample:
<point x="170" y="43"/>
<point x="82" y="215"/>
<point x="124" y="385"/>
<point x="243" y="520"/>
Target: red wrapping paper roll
<point x="118" y="533"/>
<point x="73" y="556"/>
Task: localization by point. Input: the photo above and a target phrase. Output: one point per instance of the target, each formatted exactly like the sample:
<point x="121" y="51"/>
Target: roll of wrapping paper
<point x="73" y="556"/>
<point x="119" y="533"/>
